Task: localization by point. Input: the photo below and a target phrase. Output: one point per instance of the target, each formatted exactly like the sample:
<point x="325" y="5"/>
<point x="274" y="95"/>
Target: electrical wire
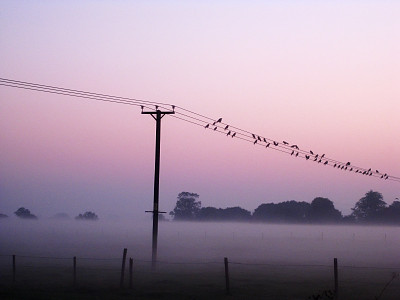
<point x="209" y="123"/>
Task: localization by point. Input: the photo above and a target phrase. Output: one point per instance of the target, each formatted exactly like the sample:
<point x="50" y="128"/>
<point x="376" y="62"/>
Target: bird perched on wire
<point x="208" y="125"/>
<point x="285" y="143"/>
<point x="233" y="134"/>
<point x="226" y="127"/>
<point x="276" y="143"/>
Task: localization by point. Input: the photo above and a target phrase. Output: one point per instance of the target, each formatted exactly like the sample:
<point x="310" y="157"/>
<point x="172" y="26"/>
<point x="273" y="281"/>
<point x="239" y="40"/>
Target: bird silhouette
<point x="312" y="153"/>
<point x="297" y="154"/>
<point x="208" y="125"/>
<point x="214" y="123"/>
<point x="376" y="171"/>
<point x="228" y="133"/>
<point x="348" y="163"/>
<point x="315" y="159"/>
<point x="255" y="142"/>
<point x="215" y="128"/>
<point x="259" y="139"/>
<point x="294" y="146"/>
<point x="226" y="127"/>
<point x="334" y="166"/>
<point x="322" y="156"/>
<point x="325" y="163"/>
<point x="307" y="157"/>
<point x="292" y="152"/>
<point x="219" y="120"/>
<point x="369" y="170"/>
<point x="351" y="169"/>
<point x="320" y="161"/>
<point x="254" y="136"/>
<point x="265" y="141"/>
<point x="276" y="143"/>
<point x="286" y="143"/>
<point x="268" y="145"/>
<point x="233" y="134"/>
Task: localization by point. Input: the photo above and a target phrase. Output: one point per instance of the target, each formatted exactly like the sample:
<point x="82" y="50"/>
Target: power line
<point x="209" y="123"/>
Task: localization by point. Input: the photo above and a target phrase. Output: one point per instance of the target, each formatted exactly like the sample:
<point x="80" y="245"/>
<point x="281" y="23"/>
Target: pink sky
<point x="321" y="75"/>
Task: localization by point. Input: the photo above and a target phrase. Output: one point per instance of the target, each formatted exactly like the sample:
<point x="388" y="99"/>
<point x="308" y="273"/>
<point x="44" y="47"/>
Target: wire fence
<point x="208" y="276"/>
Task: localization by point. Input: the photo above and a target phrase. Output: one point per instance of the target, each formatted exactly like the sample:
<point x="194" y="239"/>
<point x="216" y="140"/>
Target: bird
<point x="312" y="153"/>
<point x="294" y="146"/>
<point x="315" y="159"/>
<point x="267" y="145"/>
<point x="286" y="143"/>
<point x="334" y="166"/>
<point x="307" y="157"/>
<point x="255" y="142"/>
<point x="208" y="125"/>
<point x="226" y="127"/>
<point x="322" y="156"/>
<point x="348" y="163"/>
<point x="320" y="161"/>
<point x="292" y="152"/>
<point x="219" y="120"/>
<point x="214" y="123"/>
<point x="376" y="171"/>
<point x="369" y="170"/>
<point x="325" y="163"/>
<point x="215" y="128"/>
<point x="265" y="141"/>
<point x="228" y="133"/>
<point x="351" y="169"/>
<point x="254" y="136"/>
<point x="259" y="139"/>
<point x="297" y="154"/>
<point x="276" y="143"/>
<point x="316" y="155"/>
<point x="233" y="134"/>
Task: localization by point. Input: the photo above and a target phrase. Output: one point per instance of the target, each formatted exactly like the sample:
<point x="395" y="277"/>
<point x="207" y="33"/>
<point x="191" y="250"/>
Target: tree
<point x="369" y="208"/>
<point x="288" y="211"/>
<point x="24" y="213"/>
<point x="322" y="210"/>
<point x="227" y="214"/>
<point x="392" y="213"/>
<point x="91" y="216"/>
<point x="187" y="206"/>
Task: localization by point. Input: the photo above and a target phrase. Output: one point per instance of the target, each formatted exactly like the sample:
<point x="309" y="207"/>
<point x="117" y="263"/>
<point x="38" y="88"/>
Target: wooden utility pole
<point x="157" y="115"/>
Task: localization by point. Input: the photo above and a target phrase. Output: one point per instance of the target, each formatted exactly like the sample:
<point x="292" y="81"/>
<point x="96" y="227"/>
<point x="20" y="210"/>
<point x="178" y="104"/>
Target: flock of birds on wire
<point x="295" y="151"/>
<point x="206" y="122"/>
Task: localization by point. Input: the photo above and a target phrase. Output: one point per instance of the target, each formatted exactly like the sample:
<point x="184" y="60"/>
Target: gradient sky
<point x="323" y="75"/>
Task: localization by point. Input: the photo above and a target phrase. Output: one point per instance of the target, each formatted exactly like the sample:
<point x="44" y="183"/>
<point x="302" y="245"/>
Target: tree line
<point x="369" y="209"/>
<point x="24" y="213"/>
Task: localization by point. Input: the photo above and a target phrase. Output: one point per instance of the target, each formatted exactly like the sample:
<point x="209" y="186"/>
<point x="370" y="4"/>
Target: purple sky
<point x="324" y="76"/>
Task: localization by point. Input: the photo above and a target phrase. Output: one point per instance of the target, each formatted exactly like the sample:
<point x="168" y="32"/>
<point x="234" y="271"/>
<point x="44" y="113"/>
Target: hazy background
<point x="321" y="75"/>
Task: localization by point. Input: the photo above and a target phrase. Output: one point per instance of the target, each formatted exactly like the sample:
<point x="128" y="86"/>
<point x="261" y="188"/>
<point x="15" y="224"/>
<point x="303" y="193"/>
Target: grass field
<point x="266" y="261"/>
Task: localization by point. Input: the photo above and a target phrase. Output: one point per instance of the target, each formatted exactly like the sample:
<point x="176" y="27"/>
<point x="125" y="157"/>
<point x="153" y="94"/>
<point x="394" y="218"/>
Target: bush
<point x="87" y="216"/>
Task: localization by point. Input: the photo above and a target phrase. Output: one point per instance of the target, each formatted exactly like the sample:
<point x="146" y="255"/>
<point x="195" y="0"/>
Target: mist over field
<point x="199" y="242"/>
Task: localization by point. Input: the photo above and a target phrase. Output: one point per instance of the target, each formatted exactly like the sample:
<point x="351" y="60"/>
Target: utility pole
<point x="157" y="115"/>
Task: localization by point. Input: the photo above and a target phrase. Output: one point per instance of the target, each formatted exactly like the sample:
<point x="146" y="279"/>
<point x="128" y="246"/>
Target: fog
<point x="204" y="242"/>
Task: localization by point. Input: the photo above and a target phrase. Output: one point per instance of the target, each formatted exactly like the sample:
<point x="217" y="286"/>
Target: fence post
<point x="13" y="267"/>
<point x="130" y="273"/>
<point x="74" y="271"/>
<point x="335" y="272"/>
<point x="121" y="283"/>
<point x="227" y="276"/>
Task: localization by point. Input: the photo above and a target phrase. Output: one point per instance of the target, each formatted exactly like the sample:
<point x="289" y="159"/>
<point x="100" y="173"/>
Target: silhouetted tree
<point x="288" y="211"/>
<point x="369" y="208"/>
<point x="235" y="214"/>
<point x="220" y="214"/>
<point x="209" y="214"/>
<point x="91" y="216"/>
<point x="392" y="213"/>
<point x="322" y="210"/>
<point x="24" y="213"/>
<point x="186" y="207"/>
